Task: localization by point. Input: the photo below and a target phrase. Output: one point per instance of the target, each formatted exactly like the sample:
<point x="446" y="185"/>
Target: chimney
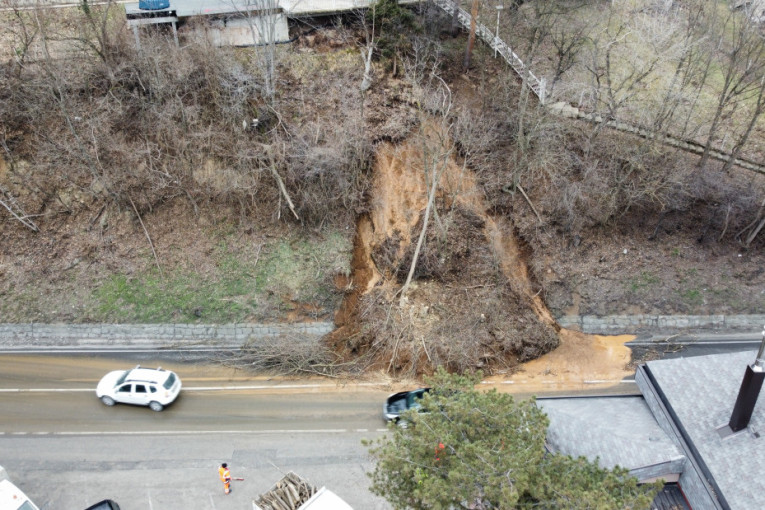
<point x="750" y="390"/>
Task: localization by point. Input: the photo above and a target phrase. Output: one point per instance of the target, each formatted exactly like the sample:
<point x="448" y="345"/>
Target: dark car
<point x="106" y="504"/>
<point x="402" y="401"/>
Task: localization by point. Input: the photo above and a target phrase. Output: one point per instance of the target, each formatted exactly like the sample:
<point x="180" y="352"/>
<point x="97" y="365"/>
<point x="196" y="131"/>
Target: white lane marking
<point x="284" y="386"/>
<point x="43" y="390"/>
<point x="186" y="432"/>
<point x="123" y="350"/>
<point x="211" y="501"/>
<point x="196" y="388"/>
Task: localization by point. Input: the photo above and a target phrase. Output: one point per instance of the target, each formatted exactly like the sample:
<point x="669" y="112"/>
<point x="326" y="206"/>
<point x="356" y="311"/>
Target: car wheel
<point x="156" y="406"/>
<point x="109" y="401"/>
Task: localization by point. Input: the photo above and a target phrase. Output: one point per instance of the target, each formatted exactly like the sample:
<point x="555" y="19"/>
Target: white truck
<point x="295" y="493"/>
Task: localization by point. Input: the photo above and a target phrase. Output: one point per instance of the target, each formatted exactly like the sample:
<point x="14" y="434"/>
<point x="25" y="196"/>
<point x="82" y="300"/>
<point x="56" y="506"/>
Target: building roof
<point x="619" y="431"/>
<point x="699" y="394"/>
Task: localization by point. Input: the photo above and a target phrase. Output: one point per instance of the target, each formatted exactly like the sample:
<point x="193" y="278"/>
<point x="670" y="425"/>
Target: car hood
<point x="108" y="381"/>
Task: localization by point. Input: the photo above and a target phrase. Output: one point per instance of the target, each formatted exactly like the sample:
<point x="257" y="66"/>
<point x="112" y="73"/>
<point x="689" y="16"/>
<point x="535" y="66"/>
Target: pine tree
<point x="484" y="450"/>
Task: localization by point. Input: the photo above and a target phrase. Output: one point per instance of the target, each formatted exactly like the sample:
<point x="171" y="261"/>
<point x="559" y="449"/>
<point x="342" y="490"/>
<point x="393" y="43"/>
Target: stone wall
<point x="73" y="336"/>
<point x="634" y="324"/>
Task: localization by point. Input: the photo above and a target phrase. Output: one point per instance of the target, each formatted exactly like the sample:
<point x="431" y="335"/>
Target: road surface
<point x="66" y="450"/>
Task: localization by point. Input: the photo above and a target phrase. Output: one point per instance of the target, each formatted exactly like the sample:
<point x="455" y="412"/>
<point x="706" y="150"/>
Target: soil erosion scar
<point x="399" y="197"/>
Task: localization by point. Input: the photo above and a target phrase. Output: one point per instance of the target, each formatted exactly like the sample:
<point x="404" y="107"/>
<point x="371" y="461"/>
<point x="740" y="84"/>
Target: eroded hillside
<point x="154" y="203"/>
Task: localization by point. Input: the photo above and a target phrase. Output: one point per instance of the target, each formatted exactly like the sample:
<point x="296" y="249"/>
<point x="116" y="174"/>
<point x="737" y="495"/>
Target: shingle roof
<point x="701" y="391"/>
<point x="617" y="430"/>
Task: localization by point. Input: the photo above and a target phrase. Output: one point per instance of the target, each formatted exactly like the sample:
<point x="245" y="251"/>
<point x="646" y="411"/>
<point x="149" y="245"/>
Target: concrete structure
<point x="232" y="22"/>
<point x="239" y="22"/>
<point x="673" y="431"/>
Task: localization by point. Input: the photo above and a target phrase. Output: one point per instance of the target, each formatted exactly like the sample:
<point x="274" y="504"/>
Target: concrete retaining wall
<point x="618" y="324"/>
<point x="166" y="336"/>
<point x="72" y="336"/>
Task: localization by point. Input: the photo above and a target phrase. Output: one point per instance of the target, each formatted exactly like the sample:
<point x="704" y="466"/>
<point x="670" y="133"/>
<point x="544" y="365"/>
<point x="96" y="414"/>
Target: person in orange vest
<point x="225" y="477"/>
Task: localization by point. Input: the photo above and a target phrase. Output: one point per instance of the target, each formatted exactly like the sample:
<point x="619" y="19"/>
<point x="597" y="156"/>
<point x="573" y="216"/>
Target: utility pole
<point x="471" y="37"/>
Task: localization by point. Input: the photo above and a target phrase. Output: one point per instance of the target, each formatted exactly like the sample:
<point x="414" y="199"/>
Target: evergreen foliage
<point x="392" y="22"/>
<point x="484" y="450"/>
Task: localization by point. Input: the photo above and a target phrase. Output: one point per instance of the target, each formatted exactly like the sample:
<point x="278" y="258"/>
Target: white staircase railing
<point x="498" y="45"/>
<point x="539" y="88"/>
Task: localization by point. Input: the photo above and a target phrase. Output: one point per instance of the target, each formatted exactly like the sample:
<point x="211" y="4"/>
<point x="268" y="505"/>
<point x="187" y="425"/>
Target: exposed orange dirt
<point x="412" y="337"/>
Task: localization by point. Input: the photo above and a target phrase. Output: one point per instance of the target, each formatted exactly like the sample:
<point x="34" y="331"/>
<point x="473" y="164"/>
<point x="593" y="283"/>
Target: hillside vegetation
<point x="136" y="186"/>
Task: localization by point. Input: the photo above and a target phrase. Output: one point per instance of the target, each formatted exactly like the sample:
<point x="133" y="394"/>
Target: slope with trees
<point x="135" y="187"/>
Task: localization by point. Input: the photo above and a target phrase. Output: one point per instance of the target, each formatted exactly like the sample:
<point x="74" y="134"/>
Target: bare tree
<point x="471" y="34"/>
<point x="436" y="144"/>
<point x="367" y="51"/>
<point x="741" y="49"/>
<point x="264" y="17"/>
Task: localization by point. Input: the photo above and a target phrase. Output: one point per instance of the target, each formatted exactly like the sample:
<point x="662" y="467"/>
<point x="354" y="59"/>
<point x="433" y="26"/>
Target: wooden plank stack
<point x="289" y="493"/>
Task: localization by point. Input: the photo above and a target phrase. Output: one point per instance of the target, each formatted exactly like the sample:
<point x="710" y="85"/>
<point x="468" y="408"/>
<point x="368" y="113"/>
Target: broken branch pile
<point x="289" y="493"/>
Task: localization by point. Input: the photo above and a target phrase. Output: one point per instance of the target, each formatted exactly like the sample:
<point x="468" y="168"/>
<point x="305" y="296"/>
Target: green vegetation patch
<point x="180" y="297"/>
<point x="643" y="281"/>
<point x="240" y="289"/>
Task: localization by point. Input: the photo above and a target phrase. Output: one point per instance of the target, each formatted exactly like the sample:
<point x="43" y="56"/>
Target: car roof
<point x="150" y="375"/>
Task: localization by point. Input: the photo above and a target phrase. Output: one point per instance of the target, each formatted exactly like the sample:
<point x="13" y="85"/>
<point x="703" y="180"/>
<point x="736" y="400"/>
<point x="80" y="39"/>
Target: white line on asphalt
<point x="186" y="432"/>
<point x="194" y="388"/>
<point x="43" y="390"/>
<point x="610" y="381"/>
<point x="64" y="350"/>
<point x="281" y="387"/>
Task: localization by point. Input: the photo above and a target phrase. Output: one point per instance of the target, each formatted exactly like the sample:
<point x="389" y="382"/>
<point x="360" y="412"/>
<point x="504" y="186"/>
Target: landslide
<point x="474" y="304"/>
<point x="184" y="217"/>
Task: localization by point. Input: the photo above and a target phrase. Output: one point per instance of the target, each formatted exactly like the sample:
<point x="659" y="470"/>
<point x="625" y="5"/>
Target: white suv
<point x="153" y="387"/>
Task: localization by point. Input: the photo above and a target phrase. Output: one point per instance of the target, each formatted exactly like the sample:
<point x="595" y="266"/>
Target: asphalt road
<point x="678" y="346"/>
<point x="66" y="450"/>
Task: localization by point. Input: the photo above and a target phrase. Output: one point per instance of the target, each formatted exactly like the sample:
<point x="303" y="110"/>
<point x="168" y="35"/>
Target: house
<point x="680" y="430"/>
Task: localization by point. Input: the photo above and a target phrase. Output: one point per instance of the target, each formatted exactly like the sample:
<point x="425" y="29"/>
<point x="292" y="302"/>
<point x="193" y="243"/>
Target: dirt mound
<point x="472" y="304"/>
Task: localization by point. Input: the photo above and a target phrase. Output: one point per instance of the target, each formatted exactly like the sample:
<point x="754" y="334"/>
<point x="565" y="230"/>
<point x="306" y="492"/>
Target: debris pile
<point x="289" y="493"/>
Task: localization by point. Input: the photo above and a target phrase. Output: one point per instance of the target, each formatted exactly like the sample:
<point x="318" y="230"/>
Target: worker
<point x="225" y="477"/>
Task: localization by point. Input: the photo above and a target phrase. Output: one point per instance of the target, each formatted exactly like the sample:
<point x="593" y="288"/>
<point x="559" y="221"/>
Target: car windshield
<point x="122" y="378"/>
<point x="26" y="505"/>
<point x="412" y="400"/>
<point x="170" y="381"/>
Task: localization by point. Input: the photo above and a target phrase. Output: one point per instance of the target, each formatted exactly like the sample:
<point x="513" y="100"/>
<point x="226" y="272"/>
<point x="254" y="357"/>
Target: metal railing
<point x="495" y="43"/>
<point x="538" y="86"/>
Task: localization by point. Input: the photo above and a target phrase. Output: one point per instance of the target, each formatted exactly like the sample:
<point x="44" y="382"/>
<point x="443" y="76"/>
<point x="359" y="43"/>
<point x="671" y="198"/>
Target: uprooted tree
<point x="482" y="450"/>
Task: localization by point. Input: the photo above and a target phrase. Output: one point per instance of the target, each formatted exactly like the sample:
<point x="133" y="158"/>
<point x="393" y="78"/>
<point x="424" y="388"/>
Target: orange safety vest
<point x="224" y="474"/>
